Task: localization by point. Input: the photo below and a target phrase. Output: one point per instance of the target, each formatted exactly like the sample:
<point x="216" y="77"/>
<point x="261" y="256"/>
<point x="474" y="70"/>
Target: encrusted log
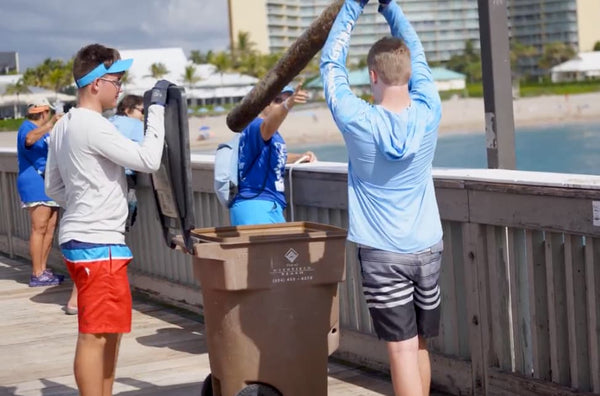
<point x="289" y="65"/>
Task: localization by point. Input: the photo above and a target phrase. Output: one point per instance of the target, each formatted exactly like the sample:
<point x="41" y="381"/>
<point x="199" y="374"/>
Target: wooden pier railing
<point x="520" y="278"/>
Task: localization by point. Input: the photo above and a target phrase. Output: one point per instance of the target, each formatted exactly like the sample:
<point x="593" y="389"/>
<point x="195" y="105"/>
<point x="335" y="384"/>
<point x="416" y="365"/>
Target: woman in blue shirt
<point x="32" y="151"/>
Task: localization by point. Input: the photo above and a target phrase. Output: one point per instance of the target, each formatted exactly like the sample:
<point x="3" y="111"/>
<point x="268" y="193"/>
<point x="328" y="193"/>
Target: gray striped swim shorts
<point x="402" y="291"/>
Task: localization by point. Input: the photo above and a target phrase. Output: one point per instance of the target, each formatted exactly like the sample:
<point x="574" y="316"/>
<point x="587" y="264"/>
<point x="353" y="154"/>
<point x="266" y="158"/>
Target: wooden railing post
<point x="5" y="193"/>
<point x="474" y="258"/>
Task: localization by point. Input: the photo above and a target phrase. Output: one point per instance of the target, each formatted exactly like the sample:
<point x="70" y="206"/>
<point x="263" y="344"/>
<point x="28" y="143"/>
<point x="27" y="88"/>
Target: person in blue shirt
<point x="262" y="159"/>
<point x="32" y="152"/>
<point x="393" y="213"/>
<point x="129" y="120"/>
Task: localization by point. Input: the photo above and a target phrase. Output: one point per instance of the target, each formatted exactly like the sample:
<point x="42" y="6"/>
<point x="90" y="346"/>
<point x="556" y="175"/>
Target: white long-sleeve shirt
<point x="85" y="172"/>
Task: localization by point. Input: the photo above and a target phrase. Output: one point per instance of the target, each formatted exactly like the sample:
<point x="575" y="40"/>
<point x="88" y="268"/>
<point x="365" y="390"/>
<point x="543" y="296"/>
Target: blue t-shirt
<point x="391" y="197"/>
<point x="131" y="128"/>
<point x="261" y="165"/>
<point x="32" y="164"/>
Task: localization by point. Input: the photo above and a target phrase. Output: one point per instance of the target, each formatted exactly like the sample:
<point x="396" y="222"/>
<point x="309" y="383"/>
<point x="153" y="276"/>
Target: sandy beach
<point x="312" y="124"/>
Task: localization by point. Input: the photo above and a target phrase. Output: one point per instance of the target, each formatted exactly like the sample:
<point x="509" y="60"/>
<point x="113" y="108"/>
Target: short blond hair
<point x="389" y="57"/>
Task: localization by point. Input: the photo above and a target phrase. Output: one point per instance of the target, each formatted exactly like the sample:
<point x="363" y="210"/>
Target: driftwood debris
<point x="291" y="63"/>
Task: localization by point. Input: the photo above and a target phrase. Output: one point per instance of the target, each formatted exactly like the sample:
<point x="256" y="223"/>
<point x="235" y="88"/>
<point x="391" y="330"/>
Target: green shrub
<point x="10" y="124"/>
<point x="534" y="89"/>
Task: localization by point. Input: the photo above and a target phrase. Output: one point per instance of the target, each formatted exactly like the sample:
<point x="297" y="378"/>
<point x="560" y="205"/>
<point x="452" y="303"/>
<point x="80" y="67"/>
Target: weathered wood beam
<point x="289" y="65"/>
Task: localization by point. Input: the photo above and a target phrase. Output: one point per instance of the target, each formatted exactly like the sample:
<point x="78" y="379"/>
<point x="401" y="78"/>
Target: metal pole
<point x="497" y="84"/>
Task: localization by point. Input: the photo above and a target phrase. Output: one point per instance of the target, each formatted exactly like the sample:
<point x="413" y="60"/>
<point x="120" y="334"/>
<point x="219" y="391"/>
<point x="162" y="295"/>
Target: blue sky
<point x="40" y="29"/>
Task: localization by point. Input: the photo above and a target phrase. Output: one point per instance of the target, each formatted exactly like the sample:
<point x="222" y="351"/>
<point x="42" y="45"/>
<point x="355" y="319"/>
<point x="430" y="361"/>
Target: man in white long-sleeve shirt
<point x="85" y="173"/>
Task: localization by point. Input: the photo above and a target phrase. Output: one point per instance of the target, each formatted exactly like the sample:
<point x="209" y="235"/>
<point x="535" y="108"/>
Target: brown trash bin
<point x="270" y="306"/>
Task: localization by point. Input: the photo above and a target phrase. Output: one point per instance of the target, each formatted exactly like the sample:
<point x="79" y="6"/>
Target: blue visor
<point x="117" y="67"/>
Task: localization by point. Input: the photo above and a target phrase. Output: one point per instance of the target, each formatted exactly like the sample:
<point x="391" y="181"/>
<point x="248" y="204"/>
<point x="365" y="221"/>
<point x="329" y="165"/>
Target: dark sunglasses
<point x="140" y="109"/>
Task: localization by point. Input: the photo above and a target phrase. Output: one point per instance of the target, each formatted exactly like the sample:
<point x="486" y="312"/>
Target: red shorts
<point x="103" y="294"/>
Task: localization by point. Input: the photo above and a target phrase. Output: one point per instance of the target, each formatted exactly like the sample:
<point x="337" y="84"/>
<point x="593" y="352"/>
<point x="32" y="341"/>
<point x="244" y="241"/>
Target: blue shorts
<point x="255" y="211"/>
<point x="402" y="291"/>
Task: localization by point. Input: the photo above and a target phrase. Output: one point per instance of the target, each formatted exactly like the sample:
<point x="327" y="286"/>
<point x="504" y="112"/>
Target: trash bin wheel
<point x="259" y="390"/>
<point x="207" y="389"/>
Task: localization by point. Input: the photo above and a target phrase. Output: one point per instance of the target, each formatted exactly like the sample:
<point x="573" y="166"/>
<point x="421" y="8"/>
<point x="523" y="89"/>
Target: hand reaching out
<point x="303" y="158"/>
<point x="299" y="96"/>
<point x="55" y="118"/>
<point x="310" y="156"/>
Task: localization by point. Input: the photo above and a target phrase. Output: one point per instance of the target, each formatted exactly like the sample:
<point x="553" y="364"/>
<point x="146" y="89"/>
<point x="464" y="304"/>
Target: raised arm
<point x="37" y="133"/>
<point x="342" y="102"/>
<point x="278" y="113"/>
<point x="144" y="157"/>
<point x="421" y="83"/>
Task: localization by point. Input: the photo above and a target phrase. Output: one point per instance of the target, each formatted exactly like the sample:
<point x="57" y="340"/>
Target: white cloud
<point x="40" y="29"/>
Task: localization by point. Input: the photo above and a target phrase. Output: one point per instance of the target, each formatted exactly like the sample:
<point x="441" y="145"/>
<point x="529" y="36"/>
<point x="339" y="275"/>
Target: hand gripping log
<point x="289" y="65"/>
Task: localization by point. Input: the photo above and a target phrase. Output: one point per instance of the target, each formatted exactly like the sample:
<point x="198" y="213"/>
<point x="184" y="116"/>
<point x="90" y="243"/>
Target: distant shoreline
<point x="314" y="124"/>
<point x="460" y="116"/>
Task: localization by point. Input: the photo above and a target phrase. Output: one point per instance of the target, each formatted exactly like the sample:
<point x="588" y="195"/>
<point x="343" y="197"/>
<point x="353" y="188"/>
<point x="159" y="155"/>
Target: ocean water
<point x="564" y="148"/>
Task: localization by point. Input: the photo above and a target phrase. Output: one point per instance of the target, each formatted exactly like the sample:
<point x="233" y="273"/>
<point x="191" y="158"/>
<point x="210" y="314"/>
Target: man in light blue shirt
<point x="394" y="217"/>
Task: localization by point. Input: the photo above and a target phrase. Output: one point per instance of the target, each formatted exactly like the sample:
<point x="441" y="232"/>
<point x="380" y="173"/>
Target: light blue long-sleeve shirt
<point x="391" y="197"/>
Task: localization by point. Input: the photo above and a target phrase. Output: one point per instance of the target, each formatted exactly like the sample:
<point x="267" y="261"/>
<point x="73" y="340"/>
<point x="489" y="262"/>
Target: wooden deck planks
<point x="164" y="355"/>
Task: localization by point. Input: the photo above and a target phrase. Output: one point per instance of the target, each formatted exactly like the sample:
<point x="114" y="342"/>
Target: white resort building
<point x="585" y="66"/>
<point x="211" y="86"/>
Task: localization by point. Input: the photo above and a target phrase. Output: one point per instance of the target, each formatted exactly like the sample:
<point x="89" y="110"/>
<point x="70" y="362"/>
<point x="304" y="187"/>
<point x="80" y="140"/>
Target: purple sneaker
<point x="49" y="272"/>
<point x="43" y="280"/>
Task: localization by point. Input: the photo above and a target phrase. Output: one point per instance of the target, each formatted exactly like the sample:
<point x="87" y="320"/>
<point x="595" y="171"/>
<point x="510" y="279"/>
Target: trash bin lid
<point x="267" y="233"/>
<point x="172" y="183"/>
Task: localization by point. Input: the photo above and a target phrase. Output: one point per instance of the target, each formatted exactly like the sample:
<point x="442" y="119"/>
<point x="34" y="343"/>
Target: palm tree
<point x="197" y="57"/>
<point x="244" y="45"/>
<point x="222" y="62"/>
<point x="554" y="54"/>
<point x="189" y="76"/>
<point x="520" y="54"/>
<point x="253" y="65"/>
<point x="58" y="79"/>
<point x="158" y="70"/>
<point x="209" y="56"/>
<point x="17" y="88"/>
<point x="126" y="78"/>
<point x="52" y="74"/>
<point x="243" y="50"/>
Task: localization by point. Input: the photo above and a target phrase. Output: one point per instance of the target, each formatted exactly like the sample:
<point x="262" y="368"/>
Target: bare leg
<point x="404" y="366"/>
<point x="49" y="235"/>
<point x="424" y="366"/>
<point x="72" y="303"/>
<point x="89" y="360"/>
<point x="95" y="363"/>
<point x="40" y="216"/>
<point x="111" y="353"/>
